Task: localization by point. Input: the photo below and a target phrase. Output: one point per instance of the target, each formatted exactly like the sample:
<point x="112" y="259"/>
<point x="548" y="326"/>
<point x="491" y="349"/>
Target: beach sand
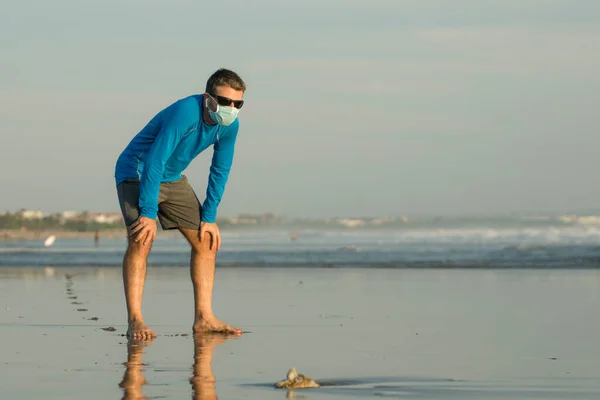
<point x="370" y="333"/>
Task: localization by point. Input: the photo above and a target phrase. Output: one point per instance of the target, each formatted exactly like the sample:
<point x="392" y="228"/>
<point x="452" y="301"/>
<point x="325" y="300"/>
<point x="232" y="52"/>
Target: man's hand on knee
<point x="144" y="230"/>
<point x="213" y="229"/>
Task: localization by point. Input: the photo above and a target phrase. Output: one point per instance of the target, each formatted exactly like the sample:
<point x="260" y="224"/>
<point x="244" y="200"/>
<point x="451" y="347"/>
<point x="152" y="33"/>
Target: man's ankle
<point x="204" y="315"/>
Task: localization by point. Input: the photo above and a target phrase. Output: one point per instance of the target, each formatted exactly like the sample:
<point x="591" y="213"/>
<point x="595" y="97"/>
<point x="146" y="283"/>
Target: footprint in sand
<point x="71" y="292"/>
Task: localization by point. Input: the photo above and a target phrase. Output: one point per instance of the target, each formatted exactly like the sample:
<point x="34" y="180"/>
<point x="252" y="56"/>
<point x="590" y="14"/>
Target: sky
<point x="353" y="108"/>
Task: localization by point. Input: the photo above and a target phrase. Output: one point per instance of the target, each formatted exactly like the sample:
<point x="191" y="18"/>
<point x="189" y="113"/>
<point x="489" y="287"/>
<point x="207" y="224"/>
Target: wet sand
<point x="410" y="334"/>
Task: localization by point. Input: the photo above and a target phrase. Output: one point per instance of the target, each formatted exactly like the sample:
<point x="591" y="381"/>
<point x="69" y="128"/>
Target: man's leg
<point x="134" y="278"/>
<point x="134" y="262"/>
<point x="202" y="270"/>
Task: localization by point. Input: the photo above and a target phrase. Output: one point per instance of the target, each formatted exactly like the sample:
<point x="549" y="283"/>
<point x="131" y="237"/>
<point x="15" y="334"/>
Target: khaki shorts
<point x="178" y="205"/>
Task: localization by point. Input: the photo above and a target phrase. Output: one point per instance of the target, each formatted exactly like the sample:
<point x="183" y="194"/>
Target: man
<point x="150" y="184"/>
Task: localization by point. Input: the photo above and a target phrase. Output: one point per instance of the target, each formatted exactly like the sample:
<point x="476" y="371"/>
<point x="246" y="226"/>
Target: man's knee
<point x="203" y="248"/>
<point x="138" y="248"/>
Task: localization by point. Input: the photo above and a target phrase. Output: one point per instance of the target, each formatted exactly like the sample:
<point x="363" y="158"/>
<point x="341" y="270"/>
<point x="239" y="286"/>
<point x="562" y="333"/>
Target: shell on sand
<point x="296" y="381"/>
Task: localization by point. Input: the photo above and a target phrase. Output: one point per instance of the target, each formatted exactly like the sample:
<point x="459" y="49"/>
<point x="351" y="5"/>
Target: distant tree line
<point x="16" y="221"/>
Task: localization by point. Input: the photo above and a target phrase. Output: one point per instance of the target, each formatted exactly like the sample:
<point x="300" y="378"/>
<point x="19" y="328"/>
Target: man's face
<point x="225" y="96"/>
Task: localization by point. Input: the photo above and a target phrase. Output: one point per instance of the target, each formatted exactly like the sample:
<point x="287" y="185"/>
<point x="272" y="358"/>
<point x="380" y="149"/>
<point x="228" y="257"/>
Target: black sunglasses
<point x="226" y="101"/>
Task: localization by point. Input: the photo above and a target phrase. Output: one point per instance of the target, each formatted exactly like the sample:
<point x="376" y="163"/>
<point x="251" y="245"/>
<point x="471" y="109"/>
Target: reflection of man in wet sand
<point x="133" y="379"/>
<point x="203" y="380"/>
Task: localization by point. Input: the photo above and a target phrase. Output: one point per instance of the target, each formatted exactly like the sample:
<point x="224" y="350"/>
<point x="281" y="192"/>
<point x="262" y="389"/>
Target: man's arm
<point x="219" y="173"/>
<point x="175" y="123"/>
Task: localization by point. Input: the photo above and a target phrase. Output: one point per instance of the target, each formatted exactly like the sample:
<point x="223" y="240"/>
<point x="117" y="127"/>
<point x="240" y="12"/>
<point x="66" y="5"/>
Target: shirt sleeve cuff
<point x="208" y="217"/>
<point x="149" y="214"/>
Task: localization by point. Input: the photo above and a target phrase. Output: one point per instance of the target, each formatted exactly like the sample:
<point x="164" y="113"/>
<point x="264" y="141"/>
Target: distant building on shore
<point x="31" y="214"/>
<point x="105" y="218"/>
<point x="69" y="216"/>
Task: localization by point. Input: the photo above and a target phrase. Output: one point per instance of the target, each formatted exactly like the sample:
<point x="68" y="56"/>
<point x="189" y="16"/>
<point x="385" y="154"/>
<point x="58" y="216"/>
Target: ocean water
<point x="563" y="242"/>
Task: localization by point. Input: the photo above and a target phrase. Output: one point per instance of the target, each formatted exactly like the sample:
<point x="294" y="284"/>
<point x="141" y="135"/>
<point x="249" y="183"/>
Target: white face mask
<point x="224" y="115"/>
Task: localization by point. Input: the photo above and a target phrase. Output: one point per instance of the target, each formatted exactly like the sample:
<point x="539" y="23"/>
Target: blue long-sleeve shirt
<point x="163" y="149"/>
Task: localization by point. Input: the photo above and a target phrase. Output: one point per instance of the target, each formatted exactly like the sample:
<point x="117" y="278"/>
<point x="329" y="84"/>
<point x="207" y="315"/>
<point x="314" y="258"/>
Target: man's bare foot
<point x="138" y="330"/>
<point x="213" y="325"/>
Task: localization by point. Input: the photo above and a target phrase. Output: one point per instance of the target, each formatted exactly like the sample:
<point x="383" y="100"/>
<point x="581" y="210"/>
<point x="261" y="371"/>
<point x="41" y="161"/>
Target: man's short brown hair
<point x="225" y="77"/>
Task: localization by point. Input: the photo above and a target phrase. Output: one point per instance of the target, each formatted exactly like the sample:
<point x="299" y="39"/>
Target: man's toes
<point x="230" y="330"/>
<point x="148" y="335"/>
